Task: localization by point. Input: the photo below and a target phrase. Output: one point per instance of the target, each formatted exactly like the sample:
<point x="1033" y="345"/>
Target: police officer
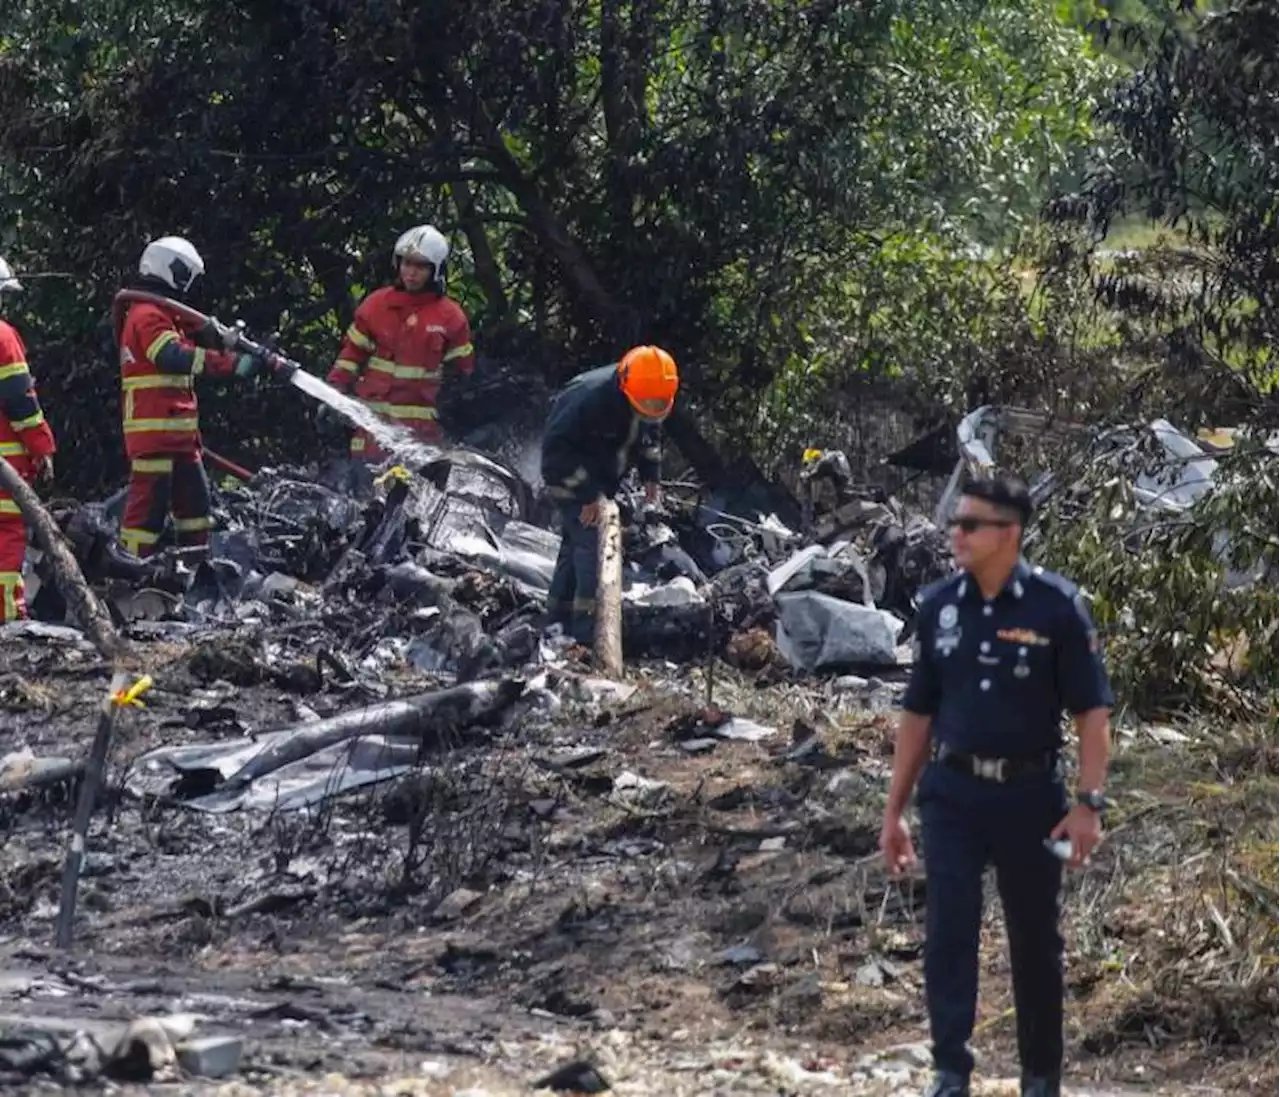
<point x="1002" y="649"/>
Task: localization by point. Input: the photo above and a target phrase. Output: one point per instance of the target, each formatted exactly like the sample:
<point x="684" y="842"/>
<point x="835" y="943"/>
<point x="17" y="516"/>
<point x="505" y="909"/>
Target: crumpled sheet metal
<point x="182" y="772"/>
<point x="818" y="632"/>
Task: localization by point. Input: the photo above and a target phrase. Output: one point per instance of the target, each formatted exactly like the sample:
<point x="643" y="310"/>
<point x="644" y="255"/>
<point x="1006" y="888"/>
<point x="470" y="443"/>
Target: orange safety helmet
<point x="649" y="379"/>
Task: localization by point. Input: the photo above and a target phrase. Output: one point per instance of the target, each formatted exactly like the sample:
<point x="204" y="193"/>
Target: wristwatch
<point x="1092" y="799"/>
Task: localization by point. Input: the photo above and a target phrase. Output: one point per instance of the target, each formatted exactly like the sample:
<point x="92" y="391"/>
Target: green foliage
<point x="770" y="189"/>
<point x="1186" y="602"/>
<point x="1194" y="147"/>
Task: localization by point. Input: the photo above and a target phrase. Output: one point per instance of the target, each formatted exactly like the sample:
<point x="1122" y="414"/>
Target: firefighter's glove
<point x="215" y="335"/>
<point x="248" y="366"/>
<point x="44" y="472"/>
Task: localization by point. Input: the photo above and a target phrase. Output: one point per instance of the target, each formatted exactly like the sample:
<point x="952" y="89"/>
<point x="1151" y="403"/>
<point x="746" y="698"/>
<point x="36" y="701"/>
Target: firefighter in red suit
<point x="26" y="442"/>
<point x="160" y="359"/>
<point x="403" y="336"/>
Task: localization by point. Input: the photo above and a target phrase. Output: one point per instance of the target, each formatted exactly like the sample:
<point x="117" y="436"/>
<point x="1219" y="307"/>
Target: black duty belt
<point x="999" y="770"/>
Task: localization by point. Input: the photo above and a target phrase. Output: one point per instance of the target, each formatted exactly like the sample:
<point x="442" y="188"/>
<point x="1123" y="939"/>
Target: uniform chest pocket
<point x="1026" y="662"/>
<point x="419" y="347"/>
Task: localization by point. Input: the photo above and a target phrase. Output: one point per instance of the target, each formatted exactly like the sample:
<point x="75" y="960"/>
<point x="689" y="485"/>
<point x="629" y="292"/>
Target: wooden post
<point x="89" y="612"/>
<point x="609" y="592"/>
<point x="94" y="619"/>
<point x="84" y="810"/>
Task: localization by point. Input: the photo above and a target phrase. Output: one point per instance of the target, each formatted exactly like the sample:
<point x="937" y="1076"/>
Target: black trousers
<point x="571" y="600"/>
<point x="968" y="823"/>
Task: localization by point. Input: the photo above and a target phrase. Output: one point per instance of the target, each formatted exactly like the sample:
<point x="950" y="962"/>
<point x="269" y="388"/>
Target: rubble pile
<point x="447" y="569"/>
<point x="376" y="822"/>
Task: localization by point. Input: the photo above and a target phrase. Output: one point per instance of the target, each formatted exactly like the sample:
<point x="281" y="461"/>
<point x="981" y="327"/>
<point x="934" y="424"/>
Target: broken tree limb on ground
<point x="608" y="647"/>
<point x="89" y="612"/>
<point x="430" y="715"/>
<point x="31" y="772"/>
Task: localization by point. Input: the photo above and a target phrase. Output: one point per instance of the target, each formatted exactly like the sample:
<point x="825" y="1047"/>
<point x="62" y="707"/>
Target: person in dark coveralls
<point x="601" y="423"/>
<point x="1002" y="648"/>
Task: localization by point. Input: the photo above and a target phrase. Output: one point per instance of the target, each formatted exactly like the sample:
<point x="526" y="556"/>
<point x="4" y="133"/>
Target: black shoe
<point x="1041" y="1087"/>
<point x="948" y="1084"/>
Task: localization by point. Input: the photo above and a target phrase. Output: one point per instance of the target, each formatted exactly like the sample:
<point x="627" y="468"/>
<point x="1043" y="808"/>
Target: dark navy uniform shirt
<point x="996" y="675"/>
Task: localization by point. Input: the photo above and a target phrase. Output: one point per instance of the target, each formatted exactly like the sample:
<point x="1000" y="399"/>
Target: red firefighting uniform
<point x="158" y="368"/>
<point x="25" y="442"/>
<point x="393" y="357"/>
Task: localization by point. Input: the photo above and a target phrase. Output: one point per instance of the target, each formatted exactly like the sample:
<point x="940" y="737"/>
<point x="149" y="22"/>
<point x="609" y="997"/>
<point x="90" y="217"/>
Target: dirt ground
<point x="723" y="926"/>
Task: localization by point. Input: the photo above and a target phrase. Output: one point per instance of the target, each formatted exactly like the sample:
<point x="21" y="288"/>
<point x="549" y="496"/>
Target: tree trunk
<point x="88" y="610"/>
<point x="488" y="273"/>
<point x="608" y="647"/>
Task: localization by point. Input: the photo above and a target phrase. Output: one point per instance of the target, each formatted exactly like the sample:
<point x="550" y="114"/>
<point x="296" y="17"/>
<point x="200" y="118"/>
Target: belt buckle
<point x="990" y="769"/>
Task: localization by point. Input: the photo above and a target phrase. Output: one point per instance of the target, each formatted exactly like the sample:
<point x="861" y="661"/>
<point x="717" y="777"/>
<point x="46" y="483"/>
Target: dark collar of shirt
<point x="1014" y="587"/>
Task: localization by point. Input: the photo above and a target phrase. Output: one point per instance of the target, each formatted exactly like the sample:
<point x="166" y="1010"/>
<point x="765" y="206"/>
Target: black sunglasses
<point x="972" y="525"/>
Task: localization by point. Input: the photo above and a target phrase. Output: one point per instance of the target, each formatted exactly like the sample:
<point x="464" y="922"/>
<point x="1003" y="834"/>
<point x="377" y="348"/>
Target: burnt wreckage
<point x="449" y="564"/>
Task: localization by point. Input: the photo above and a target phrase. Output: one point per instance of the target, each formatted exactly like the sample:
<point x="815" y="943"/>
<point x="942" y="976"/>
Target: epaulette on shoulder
<point x="937" y="588"/>
<point x="1052" y="579"/>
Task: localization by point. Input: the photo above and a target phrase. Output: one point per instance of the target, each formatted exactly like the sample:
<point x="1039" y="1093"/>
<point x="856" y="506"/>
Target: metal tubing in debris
<point x="608" y="646"/>
<point x="428" y="714"/>
<point x="227" y="465"/>
<point x="84" y="810"/>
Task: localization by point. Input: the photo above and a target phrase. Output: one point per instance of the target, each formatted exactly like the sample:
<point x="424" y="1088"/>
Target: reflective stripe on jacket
<point x="592" y="437"/>
<point x="394" y="353"/>
<point x="158" y="368"/>
<point x="25" y="436"/>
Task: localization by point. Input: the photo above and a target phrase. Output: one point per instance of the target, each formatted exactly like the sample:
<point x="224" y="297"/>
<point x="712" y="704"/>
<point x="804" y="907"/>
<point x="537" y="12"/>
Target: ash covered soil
<point x="602" y="877"/>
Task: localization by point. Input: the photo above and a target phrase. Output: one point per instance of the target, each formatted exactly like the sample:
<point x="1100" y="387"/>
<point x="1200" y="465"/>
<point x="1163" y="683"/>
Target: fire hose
<point x="278" y="363"/>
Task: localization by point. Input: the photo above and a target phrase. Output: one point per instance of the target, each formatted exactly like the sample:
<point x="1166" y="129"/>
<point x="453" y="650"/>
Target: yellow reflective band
<point x="136" y="537"/>
<point x="359" y="338"/>
<point x="405" y="373"/>
<point x="160" y="342"/>
<point x="148" y="426"/>
<point x="12" y="449"/>
<point x="357" y="443"/>
<point x="8" y="506"/>
<point x="29" y="422"/>
<point x="404" y="411"/>
<point x="11" y="581"/>
<point x="152" y="464"/>
<point x="459" y="352"/>
<point x="197" y="363"/>
<point x="192" y="525"/>
<point x="157" y="381"/>
<point x="347" y="365"/>
<point x="12" y="370"/>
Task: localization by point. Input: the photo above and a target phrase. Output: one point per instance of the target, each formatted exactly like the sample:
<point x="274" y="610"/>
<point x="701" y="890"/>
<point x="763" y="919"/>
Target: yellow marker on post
<point x="133" y="695"/>
<point x="395" y="472"/>
<point x="119" y="696"/>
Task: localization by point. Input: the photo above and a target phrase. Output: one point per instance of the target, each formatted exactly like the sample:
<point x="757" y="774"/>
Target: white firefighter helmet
<point x="173" y="260"/>
<point x="7" y="280"/>
<point x="426" y="244"/>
